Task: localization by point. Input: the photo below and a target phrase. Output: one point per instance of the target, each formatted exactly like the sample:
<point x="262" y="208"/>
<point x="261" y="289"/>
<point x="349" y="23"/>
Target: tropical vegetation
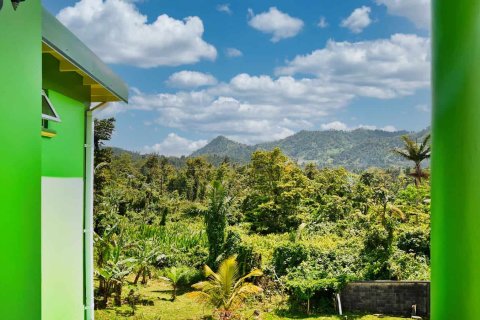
<point x="284" y="237"/>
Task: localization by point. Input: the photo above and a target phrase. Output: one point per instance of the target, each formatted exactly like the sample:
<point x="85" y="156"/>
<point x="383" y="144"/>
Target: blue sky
<point x="257" y="70"/>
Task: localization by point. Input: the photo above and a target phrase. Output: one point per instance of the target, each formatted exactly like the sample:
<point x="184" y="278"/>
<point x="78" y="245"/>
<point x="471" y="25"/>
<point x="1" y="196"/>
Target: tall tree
<point x="278" y="186"/>
<point x="103" y="131"/>
<point x="216" y="220"/>
<point x="416" y="152"/>
<point x="197" y="173"/>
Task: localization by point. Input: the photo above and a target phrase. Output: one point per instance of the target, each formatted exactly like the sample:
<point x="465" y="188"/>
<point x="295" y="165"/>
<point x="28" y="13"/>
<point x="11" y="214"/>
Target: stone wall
<point x="387" y="297"/>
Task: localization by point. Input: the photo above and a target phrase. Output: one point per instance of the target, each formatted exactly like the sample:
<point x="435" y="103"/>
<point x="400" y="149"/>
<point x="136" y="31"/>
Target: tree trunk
<point x="174" y="293"/>
<point x="144" y="276"/>
<point x="137" y="276"/>
<point x="118" y="295"/>
<point x="105" y="295"/>
<point x="418" y="175"/>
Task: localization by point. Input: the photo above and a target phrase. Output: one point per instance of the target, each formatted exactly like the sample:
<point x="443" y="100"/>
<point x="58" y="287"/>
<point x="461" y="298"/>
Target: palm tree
<point x="175" y="275"/>
<point x="226" y="290"/>
<point x="415" y="152"/>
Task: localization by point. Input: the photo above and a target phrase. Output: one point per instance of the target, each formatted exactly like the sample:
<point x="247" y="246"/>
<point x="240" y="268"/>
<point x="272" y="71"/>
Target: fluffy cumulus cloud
<point x="280" y="25"/>
<point x="334" y="125"/>
<point x="389" y="128"/>
<point x="358" y="20"/>
<point x="384" y="68"/>
<point x="174" y="145"/>
<point x="255" y="108"/>
<point x="120" y="34"/>
<point x="418" y="11"/>
<point x="233" y="53"/>
<point x="191" y="79"/>
<point x="340" y="126"/>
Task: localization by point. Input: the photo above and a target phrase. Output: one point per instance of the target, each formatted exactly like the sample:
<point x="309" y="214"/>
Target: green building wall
<point x="63" y="172"/>
<point x="63" y="155"/>
<point x="20" y="161"/>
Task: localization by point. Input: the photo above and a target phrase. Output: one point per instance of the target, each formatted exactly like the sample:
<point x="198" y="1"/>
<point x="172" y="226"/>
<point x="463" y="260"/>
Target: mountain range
<point x="357" y="149"/>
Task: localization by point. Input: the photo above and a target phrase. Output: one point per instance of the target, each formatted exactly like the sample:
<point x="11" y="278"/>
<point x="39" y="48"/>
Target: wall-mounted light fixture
<point x="15" y="3"/>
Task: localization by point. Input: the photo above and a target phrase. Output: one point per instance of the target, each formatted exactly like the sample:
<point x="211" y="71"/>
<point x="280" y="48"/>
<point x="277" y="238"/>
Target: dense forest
<point x="298" y="232"/>
<point x="355" y="150"/>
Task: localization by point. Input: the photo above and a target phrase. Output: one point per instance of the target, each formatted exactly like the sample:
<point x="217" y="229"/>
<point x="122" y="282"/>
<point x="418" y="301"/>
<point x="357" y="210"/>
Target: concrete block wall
<point x="387" y="297"/>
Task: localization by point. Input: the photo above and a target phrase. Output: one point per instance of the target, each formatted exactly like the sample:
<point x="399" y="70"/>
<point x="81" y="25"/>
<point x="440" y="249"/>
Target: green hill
<point x="357" y="149"/>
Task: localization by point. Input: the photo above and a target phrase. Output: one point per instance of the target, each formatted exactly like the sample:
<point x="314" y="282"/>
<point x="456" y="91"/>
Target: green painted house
<point x="50" y="83"/>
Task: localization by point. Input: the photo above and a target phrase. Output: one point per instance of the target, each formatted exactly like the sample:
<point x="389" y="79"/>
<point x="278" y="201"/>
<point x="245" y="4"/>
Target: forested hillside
<point x="303" y="231"/>
<point x="357" y="149"/>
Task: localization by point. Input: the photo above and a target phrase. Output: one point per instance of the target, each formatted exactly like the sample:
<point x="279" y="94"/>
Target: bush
<point x="288" y="256"/>
<point x="415" y="241"/>
<point x="247" y="259"/>
<point x="309" y="283"/>
<point x="408" y="266"/>
<point x="191" y="276"/>
<point x="376" y="252"/>
<point x="194" y="209"/>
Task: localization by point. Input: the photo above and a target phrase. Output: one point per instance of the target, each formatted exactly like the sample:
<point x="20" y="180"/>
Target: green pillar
<point x="456" y="160"/>
<point x="20" y="114"/>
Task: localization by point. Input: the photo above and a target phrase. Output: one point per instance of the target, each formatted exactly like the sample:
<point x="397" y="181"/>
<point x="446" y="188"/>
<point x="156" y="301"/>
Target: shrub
<point x="247" y="259"/>
<point x="288" y="256"/>
<point x="309" y="283"/>
<point x="408" y="266"/>
<point x="415" y="241"/>
<point x="376" y="252"/>
<point x="194" y="209"/>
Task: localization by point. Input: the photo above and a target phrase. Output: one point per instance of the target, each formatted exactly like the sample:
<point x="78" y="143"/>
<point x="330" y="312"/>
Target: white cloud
<point x="191" y="79"/>
<point x="383" y="68"/>
<point x="335" y="125"/>
<point x="233" y="53"/>
<point x="117" y="32"/>
<point x="417" y="11"/>
<point x="322" y="23"/>
<point x="225" y="8"/>
<point x="277" y="23"/>
<point x="389" y="129"/>
<point x="358" y="20"/>
<point x="174" y="145"/>
<point x="255" y="108"/>
<point x="340" y="126"/>
<point x="366" y="127"/>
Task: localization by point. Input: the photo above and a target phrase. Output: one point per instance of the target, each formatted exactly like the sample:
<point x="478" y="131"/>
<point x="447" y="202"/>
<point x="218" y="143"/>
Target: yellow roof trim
<point x="98" y="92"/>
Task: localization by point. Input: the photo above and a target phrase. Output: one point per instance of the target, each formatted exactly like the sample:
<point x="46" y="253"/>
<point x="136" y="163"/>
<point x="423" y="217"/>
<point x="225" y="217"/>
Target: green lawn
<point x="186" y="309"/>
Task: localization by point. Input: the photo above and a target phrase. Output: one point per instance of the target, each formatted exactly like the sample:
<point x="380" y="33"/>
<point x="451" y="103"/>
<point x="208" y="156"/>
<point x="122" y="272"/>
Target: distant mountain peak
<point x="357" y="149"/>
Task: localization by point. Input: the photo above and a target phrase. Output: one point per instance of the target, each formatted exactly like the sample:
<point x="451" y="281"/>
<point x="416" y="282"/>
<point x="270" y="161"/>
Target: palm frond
<point x="225" y="289"/>
<point x="199" y="296"/>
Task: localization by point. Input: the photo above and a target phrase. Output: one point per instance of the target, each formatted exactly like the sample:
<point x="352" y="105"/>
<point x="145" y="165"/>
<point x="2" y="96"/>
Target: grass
<point x="183" y="308"/>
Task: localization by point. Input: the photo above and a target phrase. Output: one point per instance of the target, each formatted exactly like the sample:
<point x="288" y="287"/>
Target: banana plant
<point x="112" y="264"/>
<point x="146" y="252"/>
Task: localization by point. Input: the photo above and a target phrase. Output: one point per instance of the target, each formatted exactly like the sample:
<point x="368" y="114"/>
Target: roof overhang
<point x="75" y="56"/>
